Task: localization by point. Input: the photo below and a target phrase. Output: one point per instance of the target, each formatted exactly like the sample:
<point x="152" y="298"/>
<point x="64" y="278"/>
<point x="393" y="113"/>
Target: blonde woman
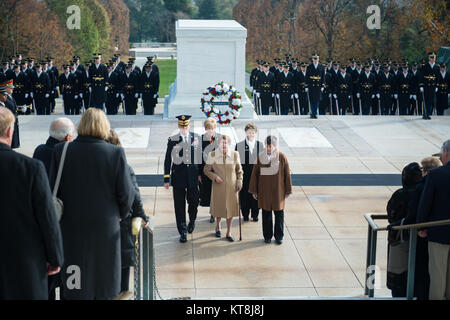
<point x="224" y="169"/>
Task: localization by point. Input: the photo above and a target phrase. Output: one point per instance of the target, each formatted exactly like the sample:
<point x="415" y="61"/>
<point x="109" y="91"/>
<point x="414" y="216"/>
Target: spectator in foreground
<point x="30" y="238"/>
<point x="271" y="184"/>
<point x="434" y="206"/>
<point x="61" y="129"/>
<point x="97" y="192"/>
<point x="127" y="240"/>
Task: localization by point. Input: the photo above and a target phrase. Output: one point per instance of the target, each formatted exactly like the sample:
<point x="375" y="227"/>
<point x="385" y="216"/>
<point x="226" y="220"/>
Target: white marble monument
<point x="209" y="51"/>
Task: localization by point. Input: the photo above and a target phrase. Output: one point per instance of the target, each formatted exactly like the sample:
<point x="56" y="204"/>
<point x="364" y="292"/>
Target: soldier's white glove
<point x="62" y="97"/>
<point x="373" y="96"/>
<point x="436" y="89"/>
<point x="358" y="95"/>
<point x="378" y="95"/>
<point x="273" y="95"/>
<point x="421" y="89"/>
<point x="136" y="95"/>
<point x="258" y="94"/>
<point x="24" y="109"/>
<point x="106" y="88"/>
<point x="292" y="96"/>
<point x="349" y="97"/>
<point x="395" y="96"/>
<point x="26" y="95"/>
<point x="81" y="95"/>
<point x="53" y="92"/>
<point x="57" y="88"/>
<point x="414" y="97"/>
<point x="329" y="96"/>
<point x="254" y="91"/>
<point x="155" y="96"/>
<point x="321" y="89"/>
<point x="76" y="97"/>
<point x="335" y="95"/>
<point x="306" y="89"/>
<point x="90" y="89"/>
<point x="31" y="94"/>
<point x="410" y="96"/>
<point x="47" y="95"/>
<point x="278" y="96"/>
<point x="117" y="95"/>
<point x="122" y="96"/>
<point x="296" y="96"/>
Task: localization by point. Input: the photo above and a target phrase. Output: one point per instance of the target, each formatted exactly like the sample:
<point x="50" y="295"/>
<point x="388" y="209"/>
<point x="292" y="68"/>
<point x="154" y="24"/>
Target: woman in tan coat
<point x="271" y="184"/>
<point x="223" y="167"/>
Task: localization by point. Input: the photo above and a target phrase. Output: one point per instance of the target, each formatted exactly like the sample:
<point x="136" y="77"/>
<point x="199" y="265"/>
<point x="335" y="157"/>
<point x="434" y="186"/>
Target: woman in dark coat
<point x="127" y="239"/>
<point x="97" y="192"/>
<point x="209" y="143"/>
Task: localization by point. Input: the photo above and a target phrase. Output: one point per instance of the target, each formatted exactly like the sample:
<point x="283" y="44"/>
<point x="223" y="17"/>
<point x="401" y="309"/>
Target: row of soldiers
<point x="94" y="84"/>
<point x="370" y="88"/>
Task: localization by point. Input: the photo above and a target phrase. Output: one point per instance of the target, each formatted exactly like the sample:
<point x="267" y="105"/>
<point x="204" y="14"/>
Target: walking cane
<point x="298" y="107"/>
<point x="360" y="107"/>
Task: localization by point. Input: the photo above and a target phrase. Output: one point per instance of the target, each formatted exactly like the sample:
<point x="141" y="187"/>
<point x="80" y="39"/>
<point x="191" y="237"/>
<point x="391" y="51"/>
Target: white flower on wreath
<point x="207" y="108"/>
<point x="226" y="87"/>
<point x="236" y="102"/>
<point x="218" y="88"/>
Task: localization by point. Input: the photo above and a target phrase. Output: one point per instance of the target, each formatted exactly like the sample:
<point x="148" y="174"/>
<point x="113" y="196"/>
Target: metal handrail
<point x="372" y="249"/>
<point x="144" y="277"/>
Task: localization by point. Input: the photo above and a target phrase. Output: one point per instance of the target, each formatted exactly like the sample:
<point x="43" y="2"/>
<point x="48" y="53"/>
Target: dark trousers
<point x="53" y="283"/>
<point x="403" y="104"/>
<point x="285" y="102"/>
<point x="130" y="104"/>
<point x="149" y="104"/>
<point x="266" y="103"/>
<point x="441" y="103"/>
<point x="366" y="104"/>
<point x="248" y="204"/>
<point x="314" y="107"/>
<point x="385" y="104"/>
<point x="125" y="280"/>
<point x="268" y="229"/>
<point x="303" y="102"/>
<point x="180" y="195"/>
<point x="42" y="106"/>
<point x="429" y="101"/>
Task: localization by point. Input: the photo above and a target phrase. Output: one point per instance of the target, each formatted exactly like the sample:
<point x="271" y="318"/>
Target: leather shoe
<point x="211" y="220"/>
<point x="218" y="234"/>
<point x="255" y="219"/>
<point x="267" y="240"/>
<point x="230" y="238"/>
<point x="191" y="227"/>
<point x="246" y="219"/>
<point x="183" y="238"/>
<point x="279" y="241"/>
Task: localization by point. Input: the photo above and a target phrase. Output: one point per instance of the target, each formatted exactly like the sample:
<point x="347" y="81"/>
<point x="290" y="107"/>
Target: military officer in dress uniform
<point x="285" y="90"/>
<point x="183" y="155"/>
<point x="6" y="70"/>
<point x="265" y="87"/>
<point x="98" y="73"/>
<point x="315" y="79"/>
<point x="54" y="76"/>
<point x="366" y="90"/>
<point x="429" y="73"/>
<point x="301" y="94"/>
<point x="416" y="101"/>
<point x="129" y="88"/>
<point x="149" y="87"/>
<point x="113" y="93"/>
<point x="85" y="85"/>
<point x="343" y="88"/>
<point x="20" y="93"/>
<point x="404" y="86"/>
<point x="442" y="90"/>
<point x="68" y="84"/>
<point x="385" y="90"/>
<point x="6" y="89"/>
<point x="40" y="91"/>
<point x="120" y="65"/>
<point x="151" y="60"/>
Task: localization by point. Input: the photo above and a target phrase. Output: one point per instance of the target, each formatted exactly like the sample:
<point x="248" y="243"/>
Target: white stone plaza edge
<point x="209" y="51"/>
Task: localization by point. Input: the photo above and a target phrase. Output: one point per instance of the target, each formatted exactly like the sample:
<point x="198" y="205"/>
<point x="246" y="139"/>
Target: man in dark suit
<point x="434" y="206"/>
<point x="99" y="74"/>
<point x="315" y="79"/>
<point x="27" y="216"/>
<point x="183" y="154"/>
<point x="61" y="129"/>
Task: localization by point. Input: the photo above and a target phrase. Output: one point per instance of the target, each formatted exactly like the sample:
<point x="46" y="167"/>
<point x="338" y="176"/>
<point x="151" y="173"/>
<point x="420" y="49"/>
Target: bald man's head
<point x="6" y="125"/>
<point x="62" y="129"/>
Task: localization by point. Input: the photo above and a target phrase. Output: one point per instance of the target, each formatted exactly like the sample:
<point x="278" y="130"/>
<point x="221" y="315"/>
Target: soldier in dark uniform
<point x="120" y="65"/>
<point x="315" y="79"/>
<point x="54" y="76"/>
<point x="69" y="91"/>
<point x="85" y="85"/>
<point x="429" y="74"/>
<point x="285" y="90"/>
<point x="151" y="60"/>
<point x="385" y="90"/>
<point x="443" y="90"/>
<point x="180" y="168"/>
<point x="78" y="66"/>
<point x="134" y="68"/>
<point x="415" y="101"/>
<point x="6" y="70"/>
<point x="366" y="90"/>
<point x="98" y="73"/>
<point x="20" y="93"/>
<point x="40" y="91"/>
<point x="343" y="89"/>
<point x="254" y="75"/>
<point x="302" y="91"/>
<point x="129" y="88"/>
<point x="265" y="87"/>
<point x="113" y="93"/>
<point x="377" y="72"/>
<point x="6" y="89"/>
<point x="149" y="87"/>
<point x="404" y="91"/>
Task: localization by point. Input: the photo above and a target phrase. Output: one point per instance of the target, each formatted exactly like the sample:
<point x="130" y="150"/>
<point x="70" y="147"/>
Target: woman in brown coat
<point x="271" y="185"/>
<point x="223" y="167"/>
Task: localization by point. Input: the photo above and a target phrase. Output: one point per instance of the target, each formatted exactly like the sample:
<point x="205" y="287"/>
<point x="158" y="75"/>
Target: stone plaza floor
<point x="324" y="250"/>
